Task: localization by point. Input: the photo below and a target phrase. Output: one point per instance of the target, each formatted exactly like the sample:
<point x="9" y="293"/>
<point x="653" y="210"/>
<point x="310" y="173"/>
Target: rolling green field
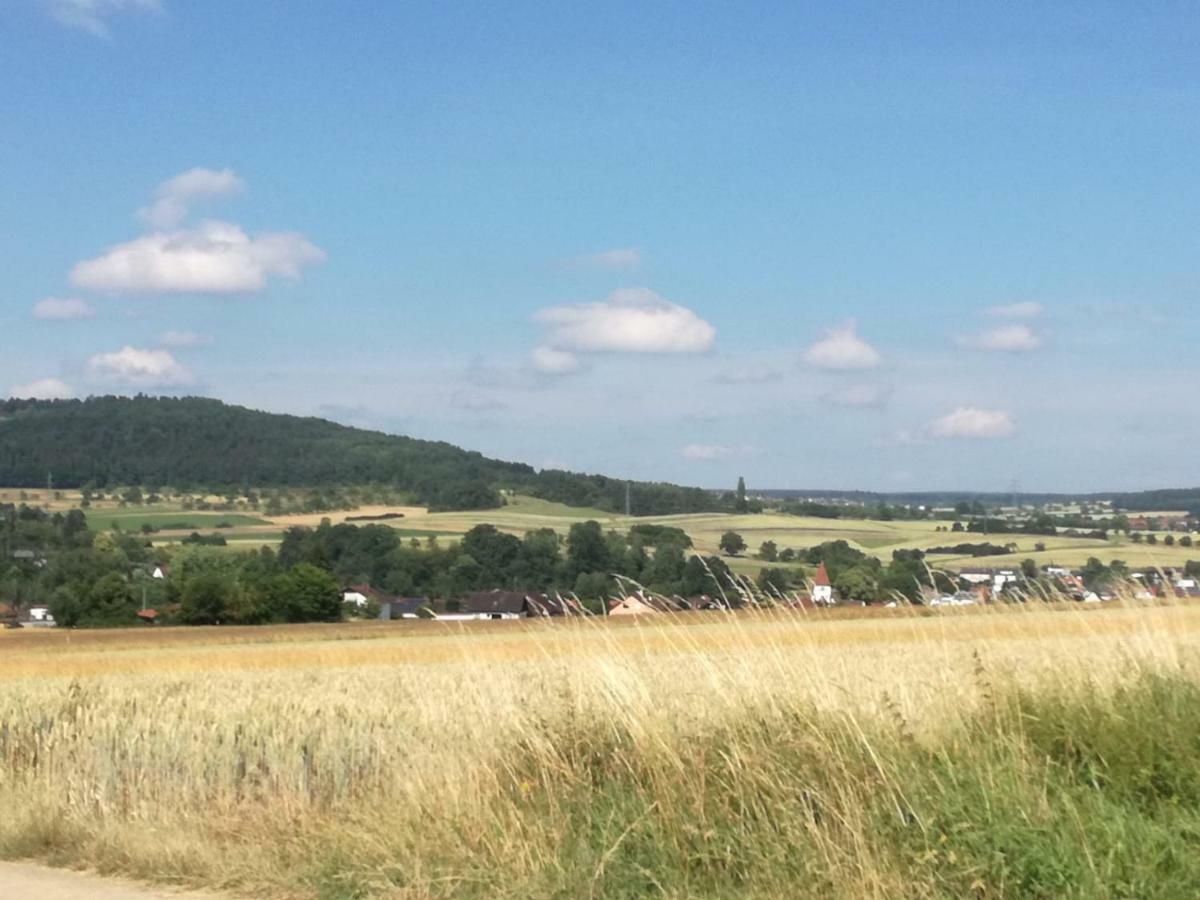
<point x="134" y="519"/>
<point x="523" y="514"/>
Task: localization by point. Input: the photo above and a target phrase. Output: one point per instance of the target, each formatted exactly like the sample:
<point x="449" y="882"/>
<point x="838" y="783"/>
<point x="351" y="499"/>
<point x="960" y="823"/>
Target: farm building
<point x="38" y="616"/>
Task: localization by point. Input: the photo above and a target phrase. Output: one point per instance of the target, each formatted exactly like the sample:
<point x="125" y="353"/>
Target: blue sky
<point x="899" y="247"/>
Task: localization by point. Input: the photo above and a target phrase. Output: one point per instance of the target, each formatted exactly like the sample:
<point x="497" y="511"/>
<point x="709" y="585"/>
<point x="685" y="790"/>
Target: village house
<point x="495" y="605"/>
<point x="359" y="595"/>
<point x="38" y="616"/>
<point x="822" y="588"/>
<point x="632" y="605"/>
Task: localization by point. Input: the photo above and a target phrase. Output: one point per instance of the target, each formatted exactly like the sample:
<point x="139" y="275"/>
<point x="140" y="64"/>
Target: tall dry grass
<point x="1014" y="752"/>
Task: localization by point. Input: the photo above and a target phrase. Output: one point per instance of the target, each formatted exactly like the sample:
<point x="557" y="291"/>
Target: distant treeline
<point x="1187" y="499"/>
<point x="195" y="442"/>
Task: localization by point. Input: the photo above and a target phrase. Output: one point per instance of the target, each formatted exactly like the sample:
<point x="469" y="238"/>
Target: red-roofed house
<point x="822" y="589"/>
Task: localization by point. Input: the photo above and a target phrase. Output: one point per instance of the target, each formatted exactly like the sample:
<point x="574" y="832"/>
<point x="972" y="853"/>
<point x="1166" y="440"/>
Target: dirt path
<point x="27" y="881"/>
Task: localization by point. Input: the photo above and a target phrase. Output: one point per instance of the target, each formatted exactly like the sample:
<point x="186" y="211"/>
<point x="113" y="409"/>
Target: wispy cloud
<point x="476" y="401"/>
<point x="174" y="197"/>
<point x="62" y="309"/>
<point x="622" y="259"/>
<point x="184" y="339"/>
<point x="43" y="389"/>
<point x="858" y="396"/>
<point x="1024" y="310"/>
<point x="92" y="15"/>
<point x="551" y="361"/>
<point x="1008" y="339"/>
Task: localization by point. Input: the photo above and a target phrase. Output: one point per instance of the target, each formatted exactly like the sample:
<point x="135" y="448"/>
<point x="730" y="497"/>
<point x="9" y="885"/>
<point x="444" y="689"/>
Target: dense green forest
<point x="193" y="442"/>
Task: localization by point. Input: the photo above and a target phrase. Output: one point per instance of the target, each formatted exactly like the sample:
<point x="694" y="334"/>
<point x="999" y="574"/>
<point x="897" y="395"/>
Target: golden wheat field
<point x="677" y="757"/>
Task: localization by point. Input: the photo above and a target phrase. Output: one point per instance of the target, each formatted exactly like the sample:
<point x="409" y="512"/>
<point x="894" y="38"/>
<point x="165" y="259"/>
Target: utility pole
<point x="628" y="501"/>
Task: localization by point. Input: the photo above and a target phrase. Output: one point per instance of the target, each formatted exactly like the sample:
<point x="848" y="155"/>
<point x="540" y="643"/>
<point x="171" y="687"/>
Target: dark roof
<point x="511" y="602"/>
<point x="544" y="605"/>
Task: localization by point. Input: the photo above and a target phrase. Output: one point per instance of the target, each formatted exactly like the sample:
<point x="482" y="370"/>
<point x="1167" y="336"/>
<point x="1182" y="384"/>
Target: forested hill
<point x="194" y="442"/>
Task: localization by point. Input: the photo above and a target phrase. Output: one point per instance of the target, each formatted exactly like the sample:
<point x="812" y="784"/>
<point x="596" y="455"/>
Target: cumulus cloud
<point x="1009" y="339"/>
<point x="973" y="422"/>
<point x="213" y="258"/>
<point x="632" y="320"/>
<point x="140" y="368"/>
<point x="175" y="195"/>
<point x="860" y="396"/>
<point x="62" y="309"/>
<point x="43" y="389"/>
<point x="619" y="260"/>
<point x="551" y="361"/>
<point x="1025" y="310"/>
<point x="184" y="339"/>
<point x="92" y="15"/>
<point x="842" y="348"/>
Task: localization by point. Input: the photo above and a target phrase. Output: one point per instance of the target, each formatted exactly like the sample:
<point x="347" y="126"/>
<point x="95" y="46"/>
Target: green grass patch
<point x="134" y="519"/>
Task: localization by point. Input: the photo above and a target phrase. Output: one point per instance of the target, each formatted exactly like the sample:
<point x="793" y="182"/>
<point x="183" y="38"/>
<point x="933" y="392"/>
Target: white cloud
<point x="861" y="396"/>
<point x="62" y="309"/>
<point x="619" y="260"/>
<point x="43" y="389"/>
<point x="175" y="195"/>
<point x="972" y="422"/>
<point x="842" y="348"/>
<point x="632" y="320"/>
<point x="90" y="15"/>
<point x="1025" y="310"/>
<point x="550" y="361"/>
<point x="141" y="368"/>
<point x="213" y="258"/>
<point x="1009" y="339"/>
<point x="184" y="339"/>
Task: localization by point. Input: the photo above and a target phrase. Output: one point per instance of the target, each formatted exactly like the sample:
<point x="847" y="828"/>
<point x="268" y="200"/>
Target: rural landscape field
<point x="249" y="529"/>
<point x="616" y="450"/>
<point x="999" y="753"/>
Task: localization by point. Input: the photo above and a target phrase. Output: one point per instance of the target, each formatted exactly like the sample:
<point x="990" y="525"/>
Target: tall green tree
<point x="587" y="549"/>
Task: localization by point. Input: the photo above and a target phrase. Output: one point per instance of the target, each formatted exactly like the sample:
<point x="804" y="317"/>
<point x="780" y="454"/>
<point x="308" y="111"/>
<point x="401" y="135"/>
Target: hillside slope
<point x="198" y="442"/>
